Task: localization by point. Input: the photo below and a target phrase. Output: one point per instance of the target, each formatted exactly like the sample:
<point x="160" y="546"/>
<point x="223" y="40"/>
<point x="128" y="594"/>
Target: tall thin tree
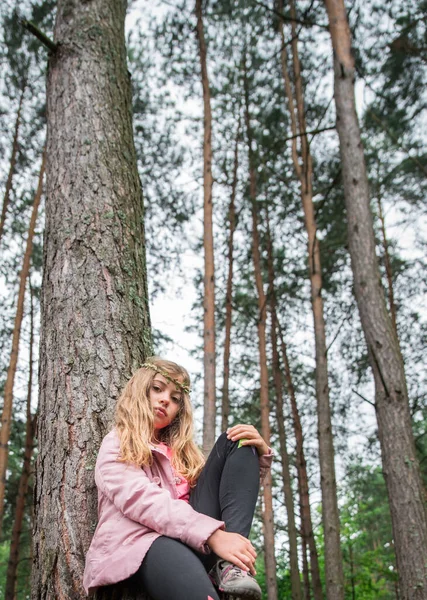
<point x="268" y="518"/>
<point x="209" y="276"/>
<point x="304" y="170"/>
<point x="400" y="465"/>
<point x="229" y="290"/>
<point x="6" y="417"/>
<point x="286" y="471"/>
<point x="95" y="325"/>
<point x="303" y="487"/>
<point x="21" y="498"/>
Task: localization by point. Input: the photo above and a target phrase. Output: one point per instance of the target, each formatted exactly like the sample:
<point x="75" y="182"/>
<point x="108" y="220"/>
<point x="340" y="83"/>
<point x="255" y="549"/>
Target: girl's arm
<point x="132" y="493"/>
<point x="247" y="435"/>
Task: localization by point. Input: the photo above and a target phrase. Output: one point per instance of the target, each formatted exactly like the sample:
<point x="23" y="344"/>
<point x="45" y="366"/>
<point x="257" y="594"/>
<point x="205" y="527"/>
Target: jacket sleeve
<point x="265" y="464"/>
<point x="131" y="491"/>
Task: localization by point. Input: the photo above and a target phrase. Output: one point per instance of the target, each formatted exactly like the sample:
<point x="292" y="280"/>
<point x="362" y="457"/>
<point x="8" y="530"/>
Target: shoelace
<point x="230" y="571"/>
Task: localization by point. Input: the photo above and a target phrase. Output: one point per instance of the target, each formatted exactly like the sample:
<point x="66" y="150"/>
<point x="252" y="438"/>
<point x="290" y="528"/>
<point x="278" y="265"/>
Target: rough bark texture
<point x="6" y="417"/>
<point x="301" y="464"/>
<point x="229" y="292"/>
<point x="268" y="520"/>
<point x="286" y="472"/>
<point x="24" y="478"/>
<point x="209" y="278"/>
<point x="95" y="326"/>
<point x="15" y="145"/>
<point x="400" y="464"/>
<point x="304" y="171"/>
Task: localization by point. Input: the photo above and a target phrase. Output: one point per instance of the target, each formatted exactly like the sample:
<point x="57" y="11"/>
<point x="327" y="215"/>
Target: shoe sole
<point x="239" y="595"/>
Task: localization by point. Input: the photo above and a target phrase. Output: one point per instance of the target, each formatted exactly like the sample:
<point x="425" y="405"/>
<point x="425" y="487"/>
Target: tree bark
<point x="15" y="146"/>
<point x="301" y="464"/>
<point x="304" y="171"/>
<point x="6" y="418"/>
<point x="388" y="269"/>
<point x="24" y="478"/>
<point x="305" y="575"/>
<point x="229" y="291"/>
<point x="268" y="519"/>
<point x="400" y="464"/>
<point x="209" y="278"/>
<point x="95" y="325"/>
<point x="286" y="472"/>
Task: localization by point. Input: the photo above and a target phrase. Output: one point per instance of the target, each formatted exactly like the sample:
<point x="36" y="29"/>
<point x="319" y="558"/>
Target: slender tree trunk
<point x="6" y="418"/>
<point x="399" y="459"/>
<point x="15" y="145"/>
<point x="286" y="472"/>
<point x="23" y="480"/>
<point x="229" y="292"/>
<point x="388" y="269"/>
<point x="268" y="521"/>
<point x="209" y="278"/>
<point x="95" y="325"/>
<point x="305" y="511"/>
<point x="305" y="574"/>
<point x="304" y="171"/>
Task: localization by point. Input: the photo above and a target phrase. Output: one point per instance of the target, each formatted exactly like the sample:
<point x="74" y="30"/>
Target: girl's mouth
<point x="160" y="411"/>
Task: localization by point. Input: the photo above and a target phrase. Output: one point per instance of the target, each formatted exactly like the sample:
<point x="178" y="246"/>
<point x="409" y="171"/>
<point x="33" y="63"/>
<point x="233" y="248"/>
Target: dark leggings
<point x="227" y="490"/>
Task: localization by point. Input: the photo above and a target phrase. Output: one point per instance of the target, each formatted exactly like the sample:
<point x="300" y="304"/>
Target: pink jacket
<point x="136" y="506"/>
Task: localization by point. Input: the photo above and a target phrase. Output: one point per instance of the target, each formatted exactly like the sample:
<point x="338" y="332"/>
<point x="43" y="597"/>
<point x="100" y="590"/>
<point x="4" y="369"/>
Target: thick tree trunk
<point x="229" y="291"/>
<point x="400" y="464"/>
<point x="286" y="472"/>
<point x="268" y="520"/>
<point x="304" y="171"/>
<point x="6" y="418"/>
<point x="23" y="480"/>
<point x="95" y="326"/>
<point x="12" y="163"/>
<point x="305" y="511"/>
<point x="209" y="278"/>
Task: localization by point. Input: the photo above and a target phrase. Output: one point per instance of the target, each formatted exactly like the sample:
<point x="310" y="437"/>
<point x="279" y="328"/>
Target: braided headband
<point x="185" y="388"/>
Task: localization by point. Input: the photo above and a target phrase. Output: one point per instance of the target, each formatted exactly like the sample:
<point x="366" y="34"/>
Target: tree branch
<point x="42" y="37"/>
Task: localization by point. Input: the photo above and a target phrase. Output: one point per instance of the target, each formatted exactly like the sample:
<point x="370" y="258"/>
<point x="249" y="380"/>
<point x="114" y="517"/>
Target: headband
<point x="185" y="388"/>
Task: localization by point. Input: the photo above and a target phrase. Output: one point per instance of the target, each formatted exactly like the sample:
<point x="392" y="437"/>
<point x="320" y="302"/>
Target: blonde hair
<point x="134" y="421"/>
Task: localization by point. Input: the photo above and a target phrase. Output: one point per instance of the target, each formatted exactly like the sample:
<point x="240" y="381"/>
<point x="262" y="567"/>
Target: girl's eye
<point x="156" y="388"/>
<point x="176" y="399"/>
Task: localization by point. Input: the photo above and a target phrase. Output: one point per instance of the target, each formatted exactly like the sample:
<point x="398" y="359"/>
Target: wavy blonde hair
<point x="134" y="421"/>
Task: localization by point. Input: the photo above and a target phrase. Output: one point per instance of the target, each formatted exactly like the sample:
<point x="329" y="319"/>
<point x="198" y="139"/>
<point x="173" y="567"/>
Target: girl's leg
<point x="170" y="570"/>
<point x="227" y="489"/>
<point x="228" y="486"/>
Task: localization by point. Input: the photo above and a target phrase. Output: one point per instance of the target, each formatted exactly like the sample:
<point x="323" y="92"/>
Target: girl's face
<point x="165" y="400"/>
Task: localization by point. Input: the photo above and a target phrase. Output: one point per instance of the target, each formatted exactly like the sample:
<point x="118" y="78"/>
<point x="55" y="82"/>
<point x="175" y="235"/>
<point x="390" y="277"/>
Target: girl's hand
<point x="235" y="548"/>
<point x="249" y="436"/>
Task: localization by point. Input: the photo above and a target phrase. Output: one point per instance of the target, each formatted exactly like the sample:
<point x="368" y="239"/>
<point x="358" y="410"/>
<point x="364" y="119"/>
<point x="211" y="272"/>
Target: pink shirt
<point x="182" y="485"/>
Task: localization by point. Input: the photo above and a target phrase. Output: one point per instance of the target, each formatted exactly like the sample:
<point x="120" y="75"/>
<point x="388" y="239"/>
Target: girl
<point x="167" y="518"/>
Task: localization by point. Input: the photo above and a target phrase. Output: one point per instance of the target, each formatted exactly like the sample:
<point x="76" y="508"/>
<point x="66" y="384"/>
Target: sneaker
<point x="232" y="580"/>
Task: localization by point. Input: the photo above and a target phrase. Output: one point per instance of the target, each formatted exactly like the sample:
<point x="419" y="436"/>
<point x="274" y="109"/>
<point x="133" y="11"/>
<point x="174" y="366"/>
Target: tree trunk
<point x="23" y="480"/>
<point x="6" y="418"/>
<point x="15" y="146"/>
<point x="400" y="464"/>
<point x="209" y="278"/>
<point x="388" y="269"/>
<point x="305" y="511"/>
<point x="305" y="574"/>
<point x="229" y="292"/>
<point x="268" y="521"/>
<point x="286" y="472"/>
<point x="330" y="515"/>
<point x="95" y="325"/>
